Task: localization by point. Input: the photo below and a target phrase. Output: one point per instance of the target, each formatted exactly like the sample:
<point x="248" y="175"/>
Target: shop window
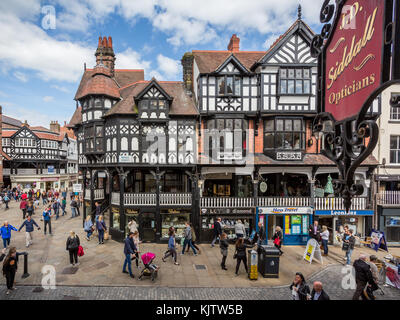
<point x="294" y="81"/>
<point x="395" y="149"/>
<point x="284" y="134"/>
<point x="176" y="219"/>
<point x="296" y="224"/>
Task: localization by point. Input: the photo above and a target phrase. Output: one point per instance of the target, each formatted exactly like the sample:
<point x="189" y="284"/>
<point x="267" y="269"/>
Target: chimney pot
<point x="109" y="42"/>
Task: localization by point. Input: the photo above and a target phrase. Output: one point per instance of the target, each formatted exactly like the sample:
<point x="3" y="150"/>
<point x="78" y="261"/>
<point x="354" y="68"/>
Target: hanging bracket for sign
<point x="358" y="58"/>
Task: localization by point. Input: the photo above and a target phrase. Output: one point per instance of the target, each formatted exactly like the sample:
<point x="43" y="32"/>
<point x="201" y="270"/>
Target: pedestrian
<point x="29" y="224"/>
<point x="97" y="211"/>
<point x="314" y="231"/>
<point x="240" y="254"/>
<point x="10" y="266"/>
<point x="193" y="239"/>
<point x="137" y="242"/>
<point x="47" y="219"/>
<point x="325" y="239"/>
<point x="129" y="252"/>
<point x="72" y="247"/>
<point x="74" y="210"/>
<point x="6" y="200"/>
<point x="217" y="231"/>
<point x="78" y="204"/>
<point x="63" y="205"/>
<point x="171" y="247"/>
<point x="188" y="239"/>
<point x="30" y="210"/>
<point x="261" y="233"/>
<point x="6" y="233"/>
<point x="374" y="269"/>
<point x="44" y="198"/>
<point x="224" y="244"/>
<point x="56" y="208"/>
<point x="101" y="228"/>
<point x="363" y="277"/>
<point x="88" y="227"/>
<point x="277" y="238"/>
<point x="348" y="244"/>
<point x="318" y="293"/>
<point x="239" y="229"/>
<point x="23" y="206"/>
<point x="300" y="289"/>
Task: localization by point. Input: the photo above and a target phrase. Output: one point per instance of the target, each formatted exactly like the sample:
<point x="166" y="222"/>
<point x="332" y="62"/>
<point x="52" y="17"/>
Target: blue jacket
<point x="88" y="225"/>
<point x="171" y="242"/>
<point x="28" y="225"/>
<point x="101" y="225"/>
<point x="46" y="215"/>
<point x="129" y="247"/>
<point x="6" y="231"/>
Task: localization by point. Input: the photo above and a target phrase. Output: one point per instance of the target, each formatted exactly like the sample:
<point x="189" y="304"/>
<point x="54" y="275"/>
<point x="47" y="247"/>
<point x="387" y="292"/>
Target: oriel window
<point x="294" y="81"/>
<point x="284" y="134"/>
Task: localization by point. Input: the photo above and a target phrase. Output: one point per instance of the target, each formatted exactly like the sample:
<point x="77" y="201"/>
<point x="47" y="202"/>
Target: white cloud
<point x="33" y="116"/>
<point x="48" y="98"/>
<point x="169" y="67"/>
<point x="130" y="59"/>
<point x="21" y="76"/>
<point x="61" y="88"/>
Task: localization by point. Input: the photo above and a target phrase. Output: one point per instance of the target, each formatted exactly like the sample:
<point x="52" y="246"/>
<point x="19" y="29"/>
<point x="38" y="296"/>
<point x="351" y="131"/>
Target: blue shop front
<point x="294" y="222"/>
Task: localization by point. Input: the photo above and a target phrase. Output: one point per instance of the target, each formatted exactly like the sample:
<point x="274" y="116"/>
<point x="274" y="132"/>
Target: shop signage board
<point x="312" y="251"/>
<point x="77" y="187"/>
<point x="344" y="213"/>
<point x="288" y="156"/>
<point x="285" y="210"/>
<point x="381" y="177"/>
<point x="225" y="211"/>
<point x="125" y="159"/>
<point x="50" y="169"/>
<point x="378" y="240"/>
<point x="358" y="53"/>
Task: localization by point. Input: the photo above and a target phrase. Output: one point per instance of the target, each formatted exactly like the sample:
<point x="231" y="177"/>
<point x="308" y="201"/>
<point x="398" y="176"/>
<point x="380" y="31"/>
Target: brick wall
<point x="259" y="140"/>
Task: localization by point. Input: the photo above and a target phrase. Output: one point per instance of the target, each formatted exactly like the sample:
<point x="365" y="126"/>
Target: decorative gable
<point x="231" y="66"/>
<point x="153" y="102"/>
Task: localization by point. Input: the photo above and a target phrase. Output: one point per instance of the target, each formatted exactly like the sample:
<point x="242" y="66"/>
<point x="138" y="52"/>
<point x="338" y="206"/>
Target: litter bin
<point x="268" y="261"/>
<point x="252" y="264"/>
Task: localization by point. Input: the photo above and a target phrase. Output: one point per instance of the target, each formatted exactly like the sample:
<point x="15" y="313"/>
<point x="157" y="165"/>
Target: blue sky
<point x="40" y="67"/>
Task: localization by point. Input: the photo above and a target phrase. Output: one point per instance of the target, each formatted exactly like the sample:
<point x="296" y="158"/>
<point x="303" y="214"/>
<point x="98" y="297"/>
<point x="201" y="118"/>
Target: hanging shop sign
<point x="344" y="213"/>
<point x="77" y="188"/>
<point x="358" y="53"/>
<point x="285" y="210"/>
<point x="226" y="211"/>
<point x="263" y="187"/>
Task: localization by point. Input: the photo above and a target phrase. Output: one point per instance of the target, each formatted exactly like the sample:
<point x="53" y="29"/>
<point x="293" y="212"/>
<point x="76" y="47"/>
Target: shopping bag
<point x="80" y="251"/>
<point x="106" y="235"/>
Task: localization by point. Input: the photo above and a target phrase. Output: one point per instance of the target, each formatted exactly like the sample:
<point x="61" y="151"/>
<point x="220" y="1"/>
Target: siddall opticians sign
<point x="354" y="57"/>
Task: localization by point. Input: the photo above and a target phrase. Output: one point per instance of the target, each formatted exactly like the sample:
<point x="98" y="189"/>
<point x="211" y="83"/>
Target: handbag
<point x="345" y="246"/>
<point x="106" y="235"/>
<point x="277" y="241"/>
<point x="80" y="251"/>
<point x="235" y="255"/>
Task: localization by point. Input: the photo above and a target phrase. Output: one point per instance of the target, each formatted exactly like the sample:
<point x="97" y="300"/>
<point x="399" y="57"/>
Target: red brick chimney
<point x="234" y="44"/>
<point x="105" y="53"/>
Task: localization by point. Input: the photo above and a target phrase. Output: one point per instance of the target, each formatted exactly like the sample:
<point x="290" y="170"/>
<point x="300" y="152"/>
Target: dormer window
<point x="153" y="109"/>
<point x="229" y="86"/>
<point x="294" y="81"/>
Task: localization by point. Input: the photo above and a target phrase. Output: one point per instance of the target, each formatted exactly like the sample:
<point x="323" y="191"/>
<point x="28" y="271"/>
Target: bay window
<point x="284" y="134"/>
<point x="294" y="81"/>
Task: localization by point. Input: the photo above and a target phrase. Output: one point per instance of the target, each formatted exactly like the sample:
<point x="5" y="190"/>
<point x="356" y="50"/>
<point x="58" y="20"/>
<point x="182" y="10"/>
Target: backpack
<point x="80" y="251"/>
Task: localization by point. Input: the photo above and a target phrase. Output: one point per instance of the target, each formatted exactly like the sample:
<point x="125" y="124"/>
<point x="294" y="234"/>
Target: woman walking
<point x="30" y="209"/>
<point x="88" y="227"/>
<point x="241" y="254"/>
<point x="325" y="239"/>
<point x="73" y="244"/>
<point x="6" y="233"/>
<point x="300" y="290"/>
<point x="137" y="242"/>
<point x="193" y="239"/>
<point x="101" y="228"/>
<point x="10" y="266"/>
<point x="224" y="244"/>
<point x="23" y="206"/>
<point x="240" y="229"/>
<point x="171" y="247"/>
<point x="277" y="237"/>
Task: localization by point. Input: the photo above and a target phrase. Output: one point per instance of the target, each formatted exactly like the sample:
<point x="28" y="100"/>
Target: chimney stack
<point x="234" y="44"/>
<point x="187" y="64"/>
<point x="25" y="124"/>
<point x="55" y="126"/>
<point x="105" y="53"/>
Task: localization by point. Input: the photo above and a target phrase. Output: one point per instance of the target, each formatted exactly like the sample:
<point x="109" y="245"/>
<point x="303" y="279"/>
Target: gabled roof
<point x="299" y="27"/>
<point x="210" y="61"/>
<point x="232" y="59"/>
<point x="153" y="83"/>
<point x="182" y="103"/>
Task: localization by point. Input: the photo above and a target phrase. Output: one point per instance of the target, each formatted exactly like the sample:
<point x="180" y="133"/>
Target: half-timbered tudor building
<point x="35" y="157"/>
<point x="137" y="148"/>
<point x="256" y="148"/>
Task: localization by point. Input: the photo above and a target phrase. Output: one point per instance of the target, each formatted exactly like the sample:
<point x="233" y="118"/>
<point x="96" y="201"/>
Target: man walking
<point x="217" y="231"/>
<point x="314" y="231"/>
<point x="29" y="227"/>
<point x="188" y="239"/>
<point x="56" y="208"/>
<point x="129" y="251"/>
<point x="363" y="276"/>
<point x="47" y="219"/>
<point x="318" y="293"/>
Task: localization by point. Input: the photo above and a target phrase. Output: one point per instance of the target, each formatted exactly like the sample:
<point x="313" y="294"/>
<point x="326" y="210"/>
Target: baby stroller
<point x="150" y="269"/>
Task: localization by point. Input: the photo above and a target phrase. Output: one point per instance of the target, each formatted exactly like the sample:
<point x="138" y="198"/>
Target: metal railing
<point x="234" y="202"/>
<point x="337" y="204"/>
<point x="388" y="198"/>
<point x="284" y="201"/>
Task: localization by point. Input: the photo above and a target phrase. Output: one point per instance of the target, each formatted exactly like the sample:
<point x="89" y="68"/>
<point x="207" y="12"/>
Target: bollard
<point x="26" y="274"/>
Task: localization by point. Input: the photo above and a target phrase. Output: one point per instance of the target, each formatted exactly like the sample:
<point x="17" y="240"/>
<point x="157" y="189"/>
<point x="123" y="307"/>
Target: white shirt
<point x="295" y="294"/>
<point x="325" y="235"/>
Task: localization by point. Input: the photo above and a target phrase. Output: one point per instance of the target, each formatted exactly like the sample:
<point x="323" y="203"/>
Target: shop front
<point x="360" y="221"/>
<point x="389" y="223"/>
<point x="229" y="217"/>
<point x="294" y="222"/>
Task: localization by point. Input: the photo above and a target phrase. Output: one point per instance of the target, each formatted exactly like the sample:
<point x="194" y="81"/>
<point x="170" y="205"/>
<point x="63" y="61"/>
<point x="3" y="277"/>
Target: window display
<point x="228" y="224"/>
<point x="131" y="218"/>
<point x="116" y="220"/>
<point x="296" y="225"/>
<point x="176" y="219"/>
<point x="392" y="221"/>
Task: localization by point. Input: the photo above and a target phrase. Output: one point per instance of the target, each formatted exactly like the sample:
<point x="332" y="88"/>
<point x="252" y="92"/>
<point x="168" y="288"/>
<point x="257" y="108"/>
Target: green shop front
<point x="294" y="222"/>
